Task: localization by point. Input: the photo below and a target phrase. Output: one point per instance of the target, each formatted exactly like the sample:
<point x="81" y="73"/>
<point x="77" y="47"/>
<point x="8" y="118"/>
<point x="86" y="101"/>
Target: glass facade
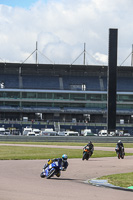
<point x="62" y="99"/>
<point x="125" y="98"/>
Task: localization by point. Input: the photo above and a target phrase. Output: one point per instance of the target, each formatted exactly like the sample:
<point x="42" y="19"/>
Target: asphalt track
<point x="20" y="180"/>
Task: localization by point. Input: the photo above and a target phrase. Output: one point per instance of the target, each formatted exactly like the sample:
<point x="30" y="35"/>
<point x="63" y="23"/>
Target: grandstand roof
<point x="61" y="69"/>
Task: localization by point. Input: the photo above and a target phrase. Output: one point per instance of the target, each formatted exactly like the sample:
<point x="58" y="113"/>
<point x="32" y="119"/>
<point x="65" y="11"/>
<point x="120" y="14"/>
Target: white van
<point x="48" y="132"/>
<point x="27" y="130"/>
<point x="88" y="132"/>
<point x="31" y="133"/>
<point x="103" y="133"/>
<point x="2" y="130"/>
<point x="71" y="133"/>
<point x="36" y="131"/>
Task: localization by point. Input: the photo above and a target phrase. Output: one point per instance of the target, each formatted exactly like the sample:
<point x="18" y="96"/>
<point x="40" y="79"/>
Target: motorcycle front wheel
<point x="87" y="157"/>
<point x="122" y="156"/>
<point x="84" y="156"/>
<point x="42" y="175"/>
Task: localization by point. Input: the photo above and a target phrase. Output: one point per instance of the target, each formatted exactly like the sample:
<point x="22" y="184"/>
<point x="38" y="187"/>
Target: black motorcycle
<point x="120" y="152"/>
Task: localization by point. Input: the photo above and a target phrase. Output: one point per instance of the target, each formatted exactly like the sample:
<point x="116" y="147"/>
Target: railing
<point x="62" y="123"/>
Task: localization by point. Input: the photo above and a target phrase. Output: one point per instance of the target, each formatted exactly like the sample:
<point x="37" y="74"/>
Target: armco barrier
<point x="95" y="139"/>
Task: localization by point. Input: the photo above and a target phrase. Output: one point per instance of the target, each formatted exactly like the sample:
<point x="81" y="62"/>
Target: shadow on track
<point x="64" y="179"/>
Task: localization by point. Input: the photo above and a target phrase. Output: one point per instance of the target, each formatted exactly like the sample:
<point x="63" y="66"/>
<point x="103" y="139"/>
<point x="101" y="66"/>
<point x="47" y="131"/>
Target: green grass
<point x="30" y="153"/>
<point x="127" y="145"/>
<point x="121" y="180"/>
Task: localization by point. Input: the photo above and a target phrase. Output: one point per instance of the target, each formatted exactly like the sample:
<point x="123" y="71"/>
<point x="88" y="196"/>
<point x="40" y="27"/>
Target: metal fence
<point x="78" y="139"/>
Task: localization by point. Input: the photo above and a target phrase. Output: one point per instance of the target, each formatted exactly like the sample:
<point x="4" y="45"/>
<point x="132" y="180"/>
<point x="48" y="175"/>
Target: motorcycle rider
<point x="63" y="161"/>
<point x="91" y="147"/>
<point x="119" y="145"/>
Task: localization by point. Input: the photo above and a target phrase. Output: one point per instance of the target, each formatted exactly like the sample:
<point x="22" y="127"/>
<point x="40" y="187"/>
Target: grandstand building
<point x="62" y="92"/>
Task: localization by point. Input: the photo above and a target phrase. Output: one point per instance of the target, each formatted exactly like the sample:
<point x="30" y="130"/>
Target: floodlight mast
<point x="36" y="52"/>
<point x="84" y="53"/>
<point x="131" y="54"/>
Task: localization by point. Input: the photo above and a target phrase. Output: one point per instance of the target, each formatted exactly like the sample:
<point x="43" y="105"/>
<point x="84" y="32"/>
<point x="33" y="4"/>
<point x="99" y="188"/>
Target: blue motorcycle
<point x="53" y="169"/>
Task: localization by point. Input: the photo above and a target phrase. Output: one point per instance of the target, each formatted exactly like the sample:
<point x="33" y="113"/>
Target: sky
<point x="63" y="29"/>
<point x="19" y="3"/>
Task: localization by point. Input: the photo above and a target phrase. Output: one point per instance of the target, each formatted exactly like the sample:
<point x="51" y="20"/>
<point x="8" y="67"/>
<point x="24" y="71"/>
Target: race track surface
<point x="20" y="180"/>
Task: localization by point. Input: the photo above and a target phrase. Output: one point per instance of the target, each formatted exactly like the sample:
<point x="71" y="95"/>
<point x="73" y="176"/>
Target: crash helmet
<point x="49" y="161"/>
<point x="119" y="141"/>
<point x="64" y="157"/>
<point x="90" y="142"/>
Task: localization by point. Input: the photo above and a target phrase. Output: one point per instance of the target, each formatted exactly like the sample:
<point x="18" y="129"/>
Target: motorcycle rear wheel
<point x="122" y="156"/>
<point x="118" y="156"/>
<point x="87" y="157"/>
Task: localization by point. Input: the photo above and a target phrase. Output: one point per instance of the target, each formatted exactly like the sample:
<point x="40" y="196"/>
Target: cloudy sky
<point x="61" y="27"/>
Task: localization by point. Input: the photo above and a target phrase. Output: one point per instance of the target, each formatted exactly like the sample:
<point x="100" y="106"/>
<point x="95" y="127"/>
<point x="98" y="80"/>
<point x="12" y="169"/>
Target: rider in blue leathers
<point x="63" y="162"/>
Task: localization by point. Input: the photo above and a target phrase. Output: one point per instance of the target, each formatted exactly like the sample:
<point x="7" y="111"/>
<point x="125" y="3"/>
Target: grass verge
<point x="31" y="153"/>
<point x="122" y="180"/>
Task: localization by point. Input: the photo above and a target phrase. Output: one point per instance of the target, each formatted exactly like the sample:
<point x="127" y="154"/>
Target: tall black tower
<point x="111" y="80"/>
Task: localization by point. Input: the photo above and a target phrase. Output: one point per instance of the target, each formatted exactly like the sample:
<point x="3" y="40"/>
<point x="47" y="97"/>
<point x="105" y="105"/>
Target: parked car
<point x="127" y="134"/>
